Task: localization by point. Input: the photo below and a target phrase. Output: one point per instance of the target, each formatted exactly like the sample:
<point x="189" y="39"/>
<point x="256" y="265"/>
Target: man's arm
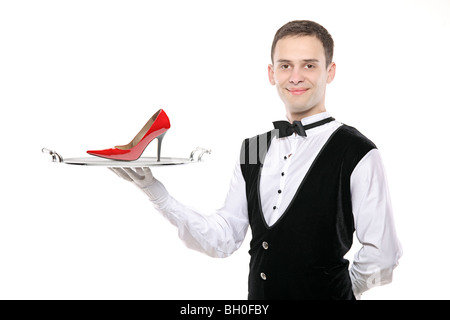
<point x="218" y="234"/>
<point x="374" y="263"/>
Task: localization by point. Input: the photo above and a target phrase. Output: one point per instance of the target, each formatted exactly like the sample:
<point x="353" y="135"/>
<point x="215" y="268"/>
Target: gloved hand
<point x="143" y="179"/>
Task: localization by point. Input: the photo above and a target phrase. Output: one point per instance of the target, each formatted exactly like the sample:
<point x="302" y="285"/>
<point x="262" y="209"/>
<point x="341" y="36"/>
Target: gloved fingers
<point x="133" y="174"/>
<point x="121" y="173"/>
<point x="145" y="172"/>
<point x="142" y="177"/>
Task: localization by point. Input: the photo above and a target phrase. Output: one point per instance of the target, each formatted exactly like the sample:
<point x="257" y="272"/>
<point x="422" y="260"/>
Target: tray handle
<point x="200" y="151"/>
<point x="56" y="157"/>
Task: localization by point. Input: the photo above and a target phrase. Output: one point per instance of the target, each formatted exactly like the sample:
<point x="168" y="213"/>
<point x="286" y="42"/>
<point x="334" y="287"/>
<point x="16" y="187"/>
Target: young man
<point x="303" y="188"/>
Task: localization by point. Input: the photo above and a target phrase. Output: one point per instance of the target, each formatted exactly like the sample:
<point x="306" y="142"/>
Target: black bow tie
<point x="285" y="128"/>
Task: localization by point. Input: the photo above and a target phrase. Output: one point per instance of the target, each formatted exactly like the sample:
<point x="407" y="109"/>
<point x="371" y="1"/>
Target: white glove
<point x="142" y="177"/>
<point x="144" y="180"/>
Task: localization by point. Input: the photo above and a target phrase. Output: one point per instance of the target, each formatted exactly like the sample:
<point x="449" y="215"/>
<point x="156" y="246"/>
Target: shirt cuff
<point x="156" y="191"/>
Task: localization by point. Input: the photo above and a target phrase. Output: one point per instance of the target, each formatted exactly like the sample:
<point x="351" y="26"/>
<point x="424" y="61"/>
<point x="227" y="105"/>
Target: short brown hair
<point x="300" y="28"/>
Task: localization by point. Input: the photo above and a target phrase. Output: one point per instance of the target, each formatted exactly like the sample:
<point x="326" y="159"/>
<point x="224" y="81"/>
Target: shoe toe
<point x="100" y="153"/>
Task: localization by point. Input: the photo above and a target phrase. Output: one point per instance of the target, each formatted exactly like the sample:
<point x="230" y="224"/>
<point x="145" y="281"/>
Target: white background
<point x="79" y="75"/>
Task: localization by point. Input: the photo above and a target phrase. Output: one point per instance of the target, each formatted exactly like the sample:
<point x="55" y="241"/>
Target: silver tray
<point x="195" y="156"/>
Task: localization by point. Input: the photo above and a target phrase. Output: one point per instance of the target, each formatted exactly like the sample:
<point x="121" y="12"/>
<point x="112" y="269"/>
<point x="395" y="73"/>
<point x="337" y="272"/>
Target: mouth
<point x="297" y="91"/>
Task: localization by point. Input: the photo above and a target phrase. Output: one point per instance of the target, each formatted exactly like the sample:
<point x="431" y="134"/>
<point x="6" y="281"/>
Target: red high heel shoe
<point x="156" y="127"/>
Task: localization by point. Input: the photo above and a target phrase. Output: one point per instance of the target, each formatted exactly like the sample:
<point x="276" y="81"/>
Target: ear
<point x="331" y="72"/>
<point x="270" y="70"/>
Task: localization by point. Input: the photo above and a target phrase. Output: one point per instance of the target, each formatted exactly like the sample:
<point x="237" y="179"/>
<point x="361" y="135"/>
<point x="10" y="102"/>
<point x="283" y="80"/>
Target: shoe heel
<point x="160" y="139"/>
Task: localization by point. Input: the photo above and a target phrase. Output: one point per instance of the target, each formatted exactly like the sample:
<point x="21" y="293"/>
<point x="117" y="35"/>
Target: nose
<point x="296" y="76"/>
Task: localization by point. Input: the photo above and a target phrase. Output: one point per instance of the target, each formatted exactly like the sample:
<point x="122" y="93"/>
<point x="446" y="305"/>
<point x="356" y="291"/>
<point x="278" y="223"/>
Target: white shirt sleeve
<point x="374" y="263"/>
<point x="218" y="234"/>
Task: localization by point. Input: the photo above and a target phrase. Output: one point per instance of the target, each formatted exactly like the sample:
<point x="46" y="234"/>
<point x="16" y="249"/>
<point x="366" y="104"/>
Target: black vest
<point x="301" y="256"/>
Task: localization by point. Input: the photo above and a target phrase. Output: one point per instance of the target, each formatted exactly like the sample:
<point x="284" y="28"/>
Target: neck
<point x="298" y="116"/>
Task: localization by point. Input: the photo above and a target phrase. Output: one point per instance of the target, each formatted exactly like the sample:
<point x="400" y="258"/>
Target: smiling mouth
<point x="297" y="92"/>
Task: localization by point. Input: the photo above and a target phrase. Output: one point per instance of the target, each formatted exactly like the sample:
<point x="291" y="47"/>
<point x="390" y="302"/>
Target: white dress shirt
<point x="221" y="233"/>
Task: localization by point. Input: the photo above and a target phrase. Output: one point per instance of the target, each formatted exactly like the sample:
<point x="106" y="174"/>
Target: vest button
<point x="265" y="245"/>
<point x="263" y="276"/>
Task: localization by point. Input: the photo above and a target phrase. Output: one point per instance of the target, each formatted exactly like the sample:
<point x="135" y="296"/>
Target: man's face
<point x="300" y="75"/>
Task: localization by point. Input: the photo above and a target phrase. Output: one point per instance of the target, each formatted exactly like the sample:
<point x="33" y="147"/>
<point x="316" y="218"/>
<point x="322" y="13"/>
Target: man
<point x="303" y="188"/>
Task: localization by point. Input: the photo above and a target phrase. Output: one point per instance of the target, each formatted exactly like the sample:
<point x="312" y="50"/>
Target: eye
<point x="284" y="66"/>
<point x="310" y="66"/>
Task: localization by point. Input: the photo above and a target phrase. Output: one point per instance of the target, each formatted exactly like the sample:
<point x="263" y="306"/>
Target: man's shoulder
<point x="353" y="141"/>
<point x="264" y="135"/>
<point x="254" y="149"/>
<point x="353" y="135"/>
<point x="259" y="140"/>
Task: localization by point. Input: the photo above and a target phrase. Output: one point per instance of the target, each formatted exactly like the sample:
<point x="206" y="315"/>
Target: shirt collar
<point x="309" y="120"/>
<point x="315" y="118"/>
